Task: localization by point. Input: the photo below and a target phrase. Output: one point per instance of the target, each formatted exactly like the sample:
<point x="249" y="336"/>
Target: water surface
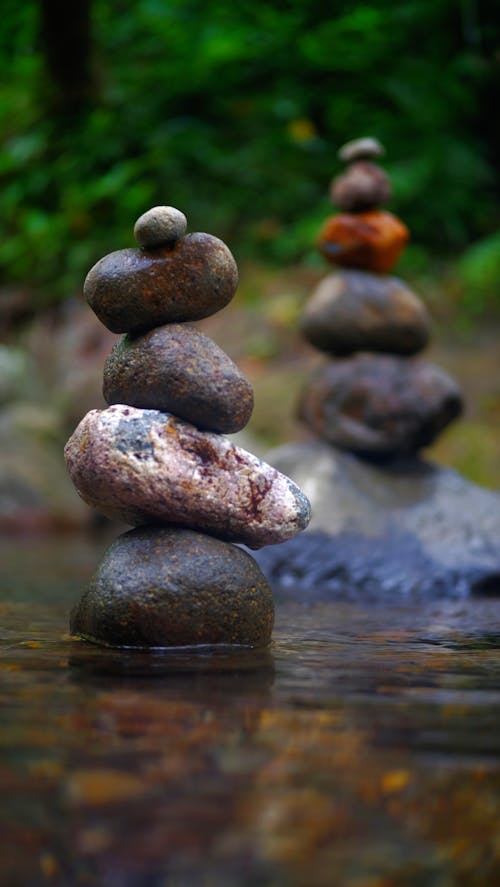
<point x="361" y="750"/>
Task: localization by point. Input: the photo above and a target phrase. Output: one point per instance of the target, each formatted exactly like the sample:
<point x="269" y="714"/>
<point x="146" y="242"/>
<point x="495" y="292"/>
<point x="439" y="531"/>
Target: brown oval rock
<point x="358" y="311"/>
<point x="361" y="187"/>
<point x="169" y="587"/>
<point x="143" y="466"/>
<point x="380" y="404"/>
<point x="177" y="369"/>
<point x="132" y="290"/>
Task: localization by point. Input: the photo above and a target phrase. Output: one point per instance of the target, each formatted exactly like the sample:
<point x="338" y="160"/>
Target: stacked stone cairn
<point x="371" y="396"/>
<point x="157" y="457"/>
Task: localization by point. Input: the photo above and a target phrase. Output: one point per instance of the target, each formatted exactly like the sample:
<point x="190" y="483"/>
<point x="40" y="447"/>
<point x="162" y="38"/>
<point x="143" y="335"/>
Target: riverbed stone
<point x="403" y="530"/>
<point x="379" y="404"/>
<point x="363" y="186"/>
<point x="177" y="369"/>
<point x="145" y="466"/>
<point x="358" y="311"/>
<point x="160" y="225"/>
<point x="171" y="587"/>
<point x="133" y="290"/>
<point x="371" y="240"/>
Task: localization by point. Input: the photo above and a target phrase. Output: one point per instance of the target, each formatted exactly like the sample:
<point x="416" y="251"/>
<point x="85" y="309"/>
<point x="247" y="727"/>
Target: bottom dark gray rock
<point x="171" y="587"/>
<point x="393" y="531"/>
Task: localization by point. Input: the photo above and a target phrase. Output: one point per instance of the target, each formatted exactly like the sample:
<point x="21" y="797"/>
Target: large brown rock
<point x="132" y="290"/>
<point x="358" y="311"/>
<point x="379" y="404"/>
<point x="177" y="369"/>
<point x="143" y="466"/>
<point x="168" y="587"/>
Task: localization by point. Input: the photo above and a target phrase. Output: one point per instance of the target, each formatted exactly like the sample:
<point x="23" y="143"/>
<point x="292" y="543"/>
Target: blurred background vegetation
<point x="234" y="112"/>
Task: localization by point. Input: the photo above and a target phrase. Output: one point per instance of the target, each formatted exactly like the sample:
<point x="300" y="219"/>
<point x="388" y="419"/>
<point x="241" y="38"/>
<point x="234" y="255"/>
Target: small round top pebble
<point x="361" y="149"/>
<point x="159" y="226"/>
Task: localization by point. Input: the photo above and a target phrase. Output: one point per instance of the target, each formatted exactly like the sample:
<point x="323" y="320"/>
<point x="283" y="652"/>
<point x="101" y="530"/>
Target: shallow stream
<point x="361" y="750"/>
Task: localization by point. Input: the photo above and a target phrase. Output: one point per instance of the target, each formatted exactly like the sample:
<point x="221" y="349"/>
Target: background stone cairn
<point x="373" y="398"/>
<point x="157" y="457"/>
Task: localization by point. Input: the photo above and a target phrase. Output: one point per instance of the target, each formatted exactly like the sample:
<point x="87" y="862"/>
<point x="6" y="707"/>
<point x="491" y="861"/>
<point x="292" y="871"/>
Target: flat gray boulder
<point x="394" y="531"/>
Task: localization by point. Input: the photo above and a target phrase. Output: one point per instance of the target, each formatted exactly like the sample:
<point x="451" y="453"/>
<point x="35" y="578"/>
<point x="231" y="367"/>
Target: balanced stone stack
<point x="157" y="457"/>
<point x="372" y="396"/>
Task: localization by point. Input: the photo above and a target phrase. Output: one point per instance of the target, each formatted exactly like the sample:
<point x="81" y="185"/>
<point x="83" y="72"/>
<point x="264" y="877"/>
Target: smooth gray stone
<point x="402" y="530"/>
<point x="160" y="225"/>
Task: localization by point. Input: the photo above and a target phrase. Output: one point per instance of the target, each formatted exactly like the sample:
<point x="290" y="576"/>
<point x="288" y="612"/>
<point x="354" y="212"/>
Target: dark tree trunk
<point x="66" y="37"/>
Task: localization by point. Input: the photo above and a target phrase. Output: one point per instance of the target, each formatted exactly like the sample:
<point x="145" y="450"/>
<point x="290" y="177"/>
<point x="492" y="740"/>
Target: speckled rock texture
<point x="133" y="290"/>
<point x="361" y="187"/>
<point x="379" y="404"/>
<point x="168" y="587"/>
<point x="144" y="466"/>
<point x="160" y="225"/>
<point x="403" y="530"/>
<point x="357" y="311"/>
<point x="177" y="369"/>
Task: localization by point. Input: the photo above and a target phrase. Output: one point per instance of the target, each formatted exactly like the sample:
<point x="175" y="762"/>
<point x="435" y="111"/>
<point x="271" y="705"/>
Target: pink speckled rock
<point x="145" y="467"/>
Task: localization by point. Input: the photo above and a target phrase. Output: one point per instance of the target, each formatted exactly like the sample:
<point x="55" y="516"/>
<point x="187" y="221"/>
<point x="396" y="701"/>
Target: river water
<point x="361" y="750"/>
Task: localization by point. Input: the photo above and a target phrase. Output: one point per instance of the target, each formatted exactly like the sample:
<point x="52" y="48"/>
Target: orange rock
<point x="372" y="240"/>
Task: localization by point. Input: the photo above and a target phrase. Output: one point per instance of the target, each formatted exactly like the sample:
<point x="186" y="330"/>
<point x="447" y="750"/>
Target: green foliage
<point x="479" y="273"/>
<point x="233" y="112"/>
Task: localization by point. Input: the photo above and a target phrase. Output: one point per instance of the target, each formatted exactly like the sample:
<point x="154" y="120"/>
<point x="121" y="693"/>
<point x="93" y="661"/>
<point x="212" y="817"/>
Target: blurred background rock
<point x="234" y="113"/>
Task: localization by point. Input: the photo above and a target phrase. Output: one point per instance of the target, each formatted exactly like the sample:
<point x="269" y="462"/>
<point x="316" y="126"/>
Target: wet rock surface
<point x="357" y="311"/>
<point x="141" y="462"/>
<point x="144" y="466"/>
<point x="177" y="369"/>
<point x="379" y="404"/>
<point x="245" y="767"/>
<point x="133" y="290"/>
<point x="402" y="531"/>
<point x="169" y="587"/>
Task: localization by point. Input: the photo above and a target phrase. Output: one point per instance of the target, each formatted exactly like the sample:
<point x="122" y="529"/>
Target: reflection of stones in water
<point x="241" y="668"/>
<point x="156" y="790"/>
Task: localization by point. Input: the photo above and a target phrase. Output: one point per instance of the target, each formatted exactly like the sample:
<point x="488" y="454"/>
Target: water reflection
<point x="360" y="750"/>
